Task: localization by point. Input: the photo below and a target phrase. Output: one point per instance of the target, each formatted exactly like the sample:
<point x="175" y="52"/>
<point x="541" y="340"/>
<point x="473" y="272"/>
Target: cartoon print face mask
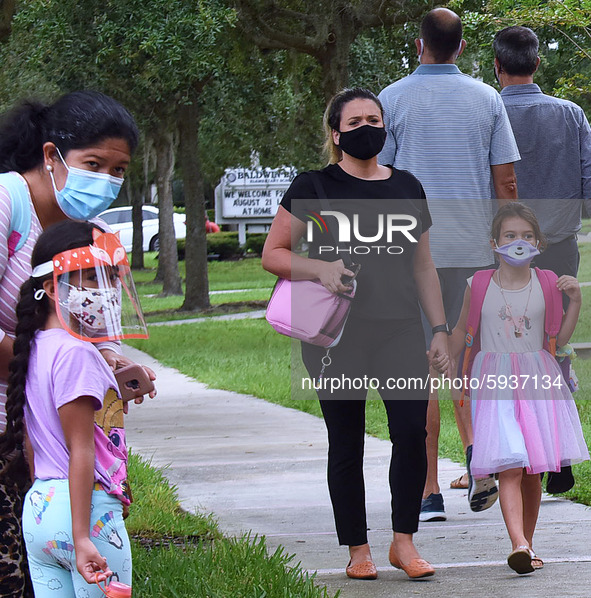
<point x="518" y="252"/>
<point x="97" y="310"/>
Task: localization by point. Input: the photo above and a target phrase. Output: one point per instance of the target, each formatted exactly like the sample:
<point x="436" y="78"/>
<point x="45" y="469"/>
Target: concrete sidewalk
<point x="262" y="468"/>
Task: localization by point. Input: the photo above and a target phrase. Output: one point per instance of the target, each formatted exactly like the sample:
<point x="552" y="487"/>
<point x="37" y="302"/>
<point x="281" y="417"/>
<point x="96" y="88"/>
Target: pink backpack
<point x="552" y="322"/>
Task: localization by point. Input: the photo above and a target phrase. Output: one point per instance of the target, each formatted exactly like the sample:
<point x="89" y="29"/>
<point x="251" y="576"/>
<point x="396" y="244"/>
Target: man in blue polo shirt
<point x="452" y="132"/>
<point x="554" y="174"/>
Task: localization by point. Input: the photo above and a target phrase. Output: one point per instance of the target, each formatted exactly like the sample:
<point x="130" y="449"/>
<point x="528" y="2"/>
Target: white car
<point x="119" y="219"/>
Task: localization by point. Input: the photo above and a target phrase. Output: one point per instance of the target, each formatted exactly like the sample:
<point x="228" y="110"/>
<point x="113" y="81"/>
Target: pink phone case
<point x="133" y="381"/>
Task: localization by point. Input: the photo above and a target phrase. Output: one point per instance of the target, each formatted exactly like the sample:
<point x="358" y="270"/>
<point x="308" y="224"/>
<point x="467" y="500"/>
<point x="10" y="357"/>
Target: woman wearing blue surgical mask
<point x="60" y="161"/>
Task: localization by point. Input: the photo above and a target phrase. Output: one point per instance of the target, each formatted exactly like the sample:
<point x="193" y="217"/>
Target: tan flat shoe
<point x="460" y="483"/>
<point x="366" y="570"/>
<point x="416" y="569"/>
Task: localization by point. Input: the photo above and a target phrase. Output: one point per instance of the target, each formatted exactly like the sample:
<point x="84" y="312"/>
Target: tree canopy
<point x="215" y="84"/>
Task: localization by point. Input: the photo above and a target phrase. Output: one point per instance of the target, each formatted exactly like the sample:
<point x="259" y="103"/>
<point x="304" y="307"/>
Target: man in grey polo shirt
<point x="554" y="174"/>
<point x="554" y="140"/>
<point x="452" y="132"/>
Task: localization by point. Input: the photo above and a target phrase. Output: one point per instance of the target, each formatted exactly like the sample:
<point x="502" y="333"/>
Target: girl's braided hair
<point x="31" y="316"/>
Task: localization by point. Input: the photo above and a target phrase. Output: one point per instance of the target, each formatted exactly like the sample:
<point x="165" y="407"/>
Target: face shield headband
<point x="96" y="299"/>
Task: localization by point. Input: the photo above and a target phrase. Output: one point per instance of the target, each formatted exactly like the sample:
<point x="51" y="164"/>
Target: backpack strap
<point x="20" y="219"/>
<point x="478" y="288"/>
<point x="553" y="301"/>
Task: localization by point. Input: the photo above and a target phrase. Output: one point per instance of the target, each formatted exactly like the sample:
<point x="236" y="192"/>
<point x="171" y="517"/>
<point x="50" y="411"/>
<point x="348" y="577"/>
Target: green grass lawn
<point x="585" y="265"/>
<point x="247" y="276"/>
<point x="255" y="285"/>
<point x="245" y="273"/>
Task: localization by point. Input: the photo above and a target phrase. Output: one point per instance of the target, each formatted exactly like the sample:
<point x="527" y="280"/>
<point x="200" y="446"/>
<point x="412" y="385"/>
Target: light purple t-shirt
<point x="61" y="369"/>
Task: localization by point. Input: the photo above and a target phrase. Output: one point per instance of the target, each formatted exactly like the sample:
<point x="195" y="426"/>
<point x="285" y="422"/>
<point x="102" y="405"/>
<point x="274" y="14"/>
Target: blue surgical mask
<point x="86" y="194"/>
<point x="518" y="252"/>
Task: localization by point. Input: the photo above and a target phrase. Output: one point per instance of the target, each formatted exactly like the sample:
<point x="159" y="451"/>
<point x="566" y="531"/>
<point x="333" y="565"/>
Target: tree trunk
<point x="136" y="191"/>
<point x="168" y="266"/>
<point x="196" y="281"/>
<point x="334" y="60"/>
<point x="7" y="10"/>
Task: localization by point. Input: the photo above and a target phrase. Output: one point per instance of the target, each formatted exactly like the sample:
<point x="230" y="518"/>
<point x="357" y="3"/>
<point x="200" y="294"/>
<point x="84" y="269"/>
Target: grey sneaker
<point x="432" y="508"/>
<point x="482" y="492"/>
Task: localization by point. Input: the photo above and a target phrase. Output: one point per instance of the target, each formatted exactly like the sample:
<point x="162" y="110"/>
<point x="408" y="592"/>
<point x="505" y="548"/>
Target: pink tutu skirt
<point x="523" y="415"/>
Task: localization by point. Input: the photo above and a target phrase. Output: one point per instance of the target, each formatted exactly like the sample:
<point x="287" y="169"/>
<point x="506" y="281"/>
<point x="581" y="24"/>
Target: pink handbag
<point x="305" y="310"/>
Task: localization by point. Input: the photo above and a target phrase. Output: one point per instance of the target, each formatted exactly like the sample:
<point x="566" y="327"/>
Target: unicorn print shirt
<point x="61" y="369"/>
<point x="512" y="321"/>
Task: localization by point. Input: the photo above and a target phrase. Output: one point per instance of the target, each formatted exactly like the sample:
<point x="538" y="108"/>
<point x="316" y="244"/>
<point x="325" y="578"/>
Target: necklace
<point x="517" y="329"/>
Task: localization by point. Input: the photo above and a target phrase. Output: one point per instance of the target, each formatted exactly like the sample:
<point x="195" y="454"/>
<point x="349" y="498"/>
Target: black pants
<point x="385" y="350"/>
<point x="561" y="258"/>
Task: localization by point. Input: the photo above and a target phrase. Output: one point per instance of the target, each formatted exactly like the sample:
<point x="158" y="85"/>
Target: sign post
<point x="250" y="197"/>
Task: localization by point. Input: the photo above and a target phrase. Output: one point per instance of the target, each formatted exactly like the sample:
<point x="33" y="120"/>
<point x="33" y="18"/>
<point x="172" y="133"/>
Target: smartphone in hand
<point x="133" y="382"/>
<point x="349" y="279"/>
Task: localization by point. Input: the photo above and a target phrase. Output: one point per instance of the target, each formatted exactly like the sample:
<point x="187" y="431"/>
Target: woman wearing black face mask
<point x="383" y="225"/>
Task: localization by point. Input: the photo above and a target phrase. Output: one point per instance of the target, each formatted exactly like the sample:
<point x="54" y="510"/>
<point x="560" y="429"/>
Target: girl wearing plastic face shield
<point x="96" y="297"/>
<point x="79" y="287"/>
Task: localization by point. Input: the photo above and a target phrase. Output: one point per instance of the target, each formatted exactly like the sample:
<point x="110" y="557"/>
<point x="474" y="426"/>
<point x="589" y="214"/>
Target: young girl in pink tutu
<point x="524" y="417"/>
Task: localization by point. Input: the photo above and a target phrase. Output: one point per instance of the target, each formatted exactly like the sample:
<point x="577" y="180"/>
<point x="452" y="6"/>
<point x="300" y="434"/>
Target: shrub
<point x="180" y="248"/>
<point x="255" y="242"/>
<point x="221" y="246"/>
<point x="224" y="245"/>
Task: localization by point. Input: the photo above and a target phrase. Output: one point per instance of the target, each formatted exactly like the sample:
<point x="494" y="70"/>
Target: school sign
<point x="250" y="197"/>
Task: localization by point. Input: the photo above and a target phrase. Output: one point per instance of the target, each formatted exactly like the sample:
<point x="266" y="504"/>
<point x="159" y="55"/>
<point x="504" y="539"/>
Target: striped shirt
<point x="448" y="129"/>
<point x="13" y="272"/>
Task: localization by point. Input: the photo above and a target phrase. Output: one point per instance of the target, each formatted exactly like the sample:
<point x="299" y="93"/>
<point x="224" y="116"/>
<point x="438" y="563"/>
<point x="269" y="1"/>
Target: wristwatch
<point x="441" y="328"/>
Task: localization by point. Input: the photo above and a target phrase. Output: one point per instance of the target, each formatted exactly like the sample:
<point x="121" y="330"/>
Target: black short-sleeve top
<point x="386" y="219"/>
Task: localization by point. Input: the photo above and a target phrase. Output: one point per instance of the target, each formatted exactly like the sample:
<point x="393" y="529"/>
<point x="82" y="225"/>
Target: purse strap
<point x="324" y="203"/>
